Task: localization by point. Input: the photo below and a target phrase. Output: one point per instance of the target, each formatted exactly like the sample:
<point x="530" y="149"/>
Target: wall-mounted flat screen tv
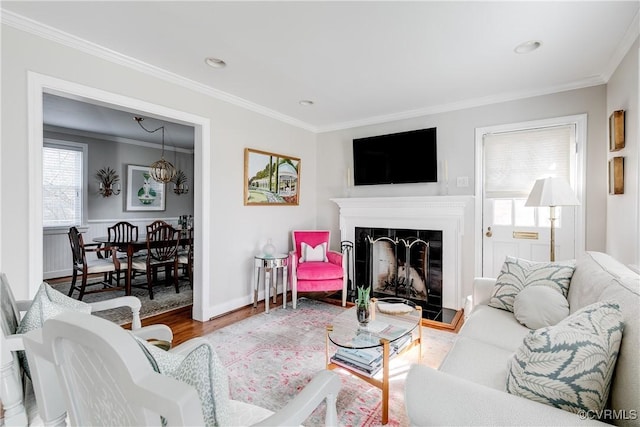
<point x="398" y="158"/>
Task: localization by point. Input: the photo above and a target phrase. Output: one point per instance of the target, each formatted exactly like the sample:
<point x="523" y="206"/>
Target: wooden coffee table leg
<point x="385" y="381"/>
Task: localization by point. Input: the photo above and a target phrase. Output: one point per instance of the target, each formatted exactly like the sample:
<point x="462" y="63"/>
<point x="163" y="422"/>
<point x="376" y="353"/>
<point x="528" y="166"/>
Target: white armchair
<point x="11" y="390"/>
<point x="89" y="352"/>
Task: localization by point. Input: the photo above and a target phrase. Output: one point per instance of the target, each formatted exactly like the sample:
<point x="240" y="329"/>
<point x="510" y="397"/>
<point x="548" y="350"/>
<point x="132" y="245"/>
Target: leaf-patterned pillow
<point x="200" y="368"/>
<point x="46" y="304"/>
<point x="570" y="365"/>
<point x="517" y="273"/>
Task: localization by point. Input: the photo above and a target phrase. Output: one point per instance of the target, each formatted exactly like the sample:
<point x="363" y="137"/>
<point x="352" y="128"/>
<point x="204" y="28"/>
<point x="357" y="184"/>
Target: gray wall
<point x="623" y="236"/>
<point x="456" y="144"/>
<point x="118" y="155"/>
<point x="236" y="232"/>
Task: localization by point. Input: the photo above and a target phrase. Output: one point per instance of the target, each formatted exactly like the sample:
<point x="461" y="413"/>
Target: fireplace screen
<point x="399" y="267"/>
<point x="401" y="263"/>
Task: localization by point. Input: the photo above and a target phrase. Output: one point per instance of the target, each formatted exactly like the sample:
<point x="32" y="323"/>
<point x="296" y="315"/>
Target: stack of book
<point x="400" y="344"/>
<point x="366" y="361"/>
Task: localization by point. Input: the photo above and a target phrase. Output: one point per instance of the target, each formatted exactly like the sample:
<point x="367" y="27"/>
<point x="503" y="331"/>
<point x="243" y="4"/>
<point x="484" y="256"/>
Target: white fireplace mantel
<point x="445" y="213"/>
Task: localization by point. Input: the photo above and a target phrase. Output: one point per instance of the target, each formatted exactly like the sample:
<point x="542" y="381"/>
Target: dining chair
<point x="162" y="251"/>
<point x="185" y="256"/>
<point x="121" y="232"/>
<point x="85" y="267"/>
<point x="155" y="224"/>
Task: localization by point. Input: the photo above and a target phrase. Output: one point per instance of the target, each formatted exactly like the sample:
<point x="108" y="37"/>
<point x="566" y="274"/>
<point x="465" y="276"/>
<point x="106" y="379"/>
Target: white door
<point x="511" y="162"/>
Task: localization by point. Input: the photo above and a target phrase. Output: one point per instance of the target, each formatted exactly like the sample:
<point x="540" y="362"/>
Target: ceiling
<point x="359" y="62"/>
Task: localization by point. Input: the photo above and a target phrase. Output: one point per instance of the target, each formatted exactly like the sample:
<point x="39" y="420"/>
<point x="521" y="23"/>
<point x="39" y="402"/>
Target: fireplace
<point x="442" y="214"/>
<point x="403" y="263"/>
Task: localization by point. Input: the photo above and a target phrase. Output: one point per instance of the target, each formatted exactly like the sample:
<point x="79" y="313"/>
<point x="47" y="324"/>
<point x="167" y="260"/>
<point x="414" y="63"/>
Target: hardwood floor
<point x="185" y="328"/>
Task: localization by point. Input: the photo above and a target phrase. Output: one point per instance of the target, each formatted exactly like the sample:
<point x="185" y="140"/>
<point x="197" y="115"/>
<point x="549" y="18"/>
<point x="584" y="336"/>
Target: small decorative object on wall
<point x="270" y="179"/>
<point x="109" y="182"/>
<point x="180" y="183"/>
<point x="616" y="175"/>
<point x="143" y="192"/>
<point x="616" y="130"/>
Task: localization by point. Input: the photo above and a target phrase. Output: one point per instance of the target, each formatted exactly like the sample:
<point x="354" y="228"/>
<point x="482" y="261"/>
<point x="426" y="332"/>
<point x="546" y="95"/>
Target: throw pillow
<point x="310" y="253"/>
<point x="516" y="274"/>
<point x="540" y="306"/>
<point x="570" y="365"/>
<point x="46" y="304"/>
<point x="203" y="370"/>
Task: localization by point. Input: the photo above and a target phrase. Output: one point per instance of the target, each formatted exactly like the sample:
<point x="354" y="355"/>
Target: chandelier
<point x="162" y="170"/>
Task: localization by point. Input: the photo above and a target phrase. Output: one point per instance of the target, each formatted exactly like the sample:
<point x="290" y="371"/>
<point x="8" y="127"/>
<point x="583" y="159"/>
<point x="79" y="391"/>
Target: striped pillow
<point x="570" y="365"/>
<point x="517" y="273"/>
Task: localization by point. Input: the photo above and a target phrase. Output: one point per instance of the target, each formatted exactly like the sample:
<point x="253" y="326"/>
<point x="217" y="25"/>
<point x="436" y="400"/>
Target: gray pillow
<point x="203" y="370"/>
<point x="540" y="306"/>
<point x="516" y="274"/>
<point x="46" y="304"/>
<point x="570" y="365"/>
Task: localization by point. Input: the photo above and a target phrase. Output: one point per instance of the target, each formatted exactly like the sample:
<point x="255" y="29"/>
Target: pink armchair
<point x="315" y="268"/>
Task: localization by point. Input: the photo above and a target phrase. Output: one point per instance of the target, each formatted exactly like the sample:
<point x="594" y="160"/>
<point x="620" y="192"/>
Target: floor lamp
<point x="552" y="192"/>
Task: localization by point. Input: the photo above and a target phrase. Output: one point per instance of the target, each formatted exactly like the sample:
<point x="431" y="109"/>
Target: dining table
<point x="133" y="246"/>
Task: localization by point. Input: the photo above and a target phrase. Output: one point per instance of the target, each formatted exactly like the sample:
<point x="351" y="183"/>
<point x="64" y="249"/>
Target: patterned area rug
<point x="271" y="357"/>
<point x="164" y="299"/>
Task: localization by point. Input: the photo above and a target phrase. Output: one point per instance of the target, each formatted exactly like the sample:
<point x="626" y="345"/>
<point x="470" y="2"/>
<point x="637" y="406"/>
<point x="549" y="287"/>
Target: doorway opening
<point x="38" y="86"/>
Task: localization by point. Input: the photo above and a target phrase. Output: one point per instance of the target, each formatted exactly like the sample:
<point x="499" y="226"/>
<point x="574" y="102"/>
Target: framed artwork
<point x="270" y="179"/>
<point x="616" y="130"/>
<point x="616" y="175"/>
<point x="143" y="192"/>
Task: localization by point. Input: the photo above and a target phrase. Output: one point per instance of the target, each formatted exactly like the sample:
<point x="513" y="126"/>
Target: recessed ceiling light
<point x="305" y="103"/>
<point x="528" y="46"/>
<point x="215" y="62"/>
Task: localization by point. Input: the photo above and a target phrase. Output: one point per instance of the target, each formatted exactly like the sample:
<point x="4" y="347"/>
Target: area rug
<point x="271" y="357"/>
<point x="165" y="299"/>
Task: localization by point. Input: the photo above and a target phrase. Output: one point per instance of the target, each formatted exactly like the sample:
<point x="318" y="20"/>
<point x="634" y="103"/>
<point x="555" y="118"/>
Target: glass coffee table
<point x="365" y="351"/>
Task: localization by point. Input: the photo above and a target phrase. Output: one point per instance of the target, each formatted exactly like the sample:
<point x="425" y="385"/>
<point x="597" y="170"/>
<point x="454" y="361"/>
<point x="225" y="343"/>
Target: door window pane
<point x="524" y="216"/>
<point x="502" y="211"/>
<point x="543" y="217"/>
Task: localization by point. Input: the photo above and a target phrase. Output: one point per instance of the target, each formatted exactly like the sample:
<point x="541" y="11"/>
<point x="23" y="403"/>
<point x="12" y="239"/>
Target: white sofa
<point x="469" y="388"/>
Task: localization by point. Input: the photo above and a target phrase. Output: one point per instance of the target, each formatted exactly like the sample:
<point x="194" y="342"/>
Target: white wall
<point x="237" y="231"/>
<point x="456" y="145"/>
<point x="623" y="235"/>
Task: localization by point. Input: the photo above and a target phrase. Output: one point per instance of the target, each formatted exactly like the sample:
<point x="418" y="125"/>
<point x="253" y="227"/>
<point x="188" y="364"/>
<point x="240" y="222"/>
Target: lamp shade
<point x="552" y="192"/>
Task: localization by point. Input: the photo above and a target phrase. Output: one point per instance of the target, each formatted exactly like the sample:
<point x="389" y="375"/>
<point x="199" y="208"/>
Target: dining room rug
<point x="165" y="299"/>
<point x="271" y="356"/>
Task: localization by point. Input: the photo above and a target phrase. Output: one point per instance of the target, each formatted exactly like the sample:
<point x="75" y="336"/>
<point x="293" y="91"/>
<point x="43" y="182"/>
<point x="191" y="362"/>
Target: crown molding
<point x="462" y="105"/>
<point x="52" y="34"/>
<point x="630" y="36"/>
<point x="116" y="139"/>
<point x="49" y="33"/>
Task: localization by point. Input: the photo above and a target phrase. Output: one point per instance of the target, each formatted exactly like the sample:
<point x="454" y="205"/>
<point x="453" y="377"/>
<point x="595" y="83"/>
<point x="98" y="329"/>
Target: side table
<point x="268" y="266"/>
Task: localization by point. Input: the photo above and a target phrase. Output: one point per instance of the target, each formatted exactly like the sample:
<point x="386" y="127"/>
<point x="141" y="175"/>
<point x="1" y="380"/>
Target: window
<point x="63" y="183"/>
<point x="514" y="160"/>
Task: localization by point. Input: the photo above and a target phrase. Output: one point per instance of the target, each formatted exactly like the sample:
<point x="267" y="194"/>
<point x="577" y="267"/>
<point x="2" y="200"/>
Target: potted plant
<point x="362" y="305"/>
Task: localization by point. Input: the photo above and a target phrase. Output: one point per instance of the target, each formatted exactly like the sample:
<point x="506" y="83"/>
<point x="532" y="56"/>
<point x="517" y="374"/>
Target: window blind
<point x="62" y="185"/>
<point x="515" y="160"/>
